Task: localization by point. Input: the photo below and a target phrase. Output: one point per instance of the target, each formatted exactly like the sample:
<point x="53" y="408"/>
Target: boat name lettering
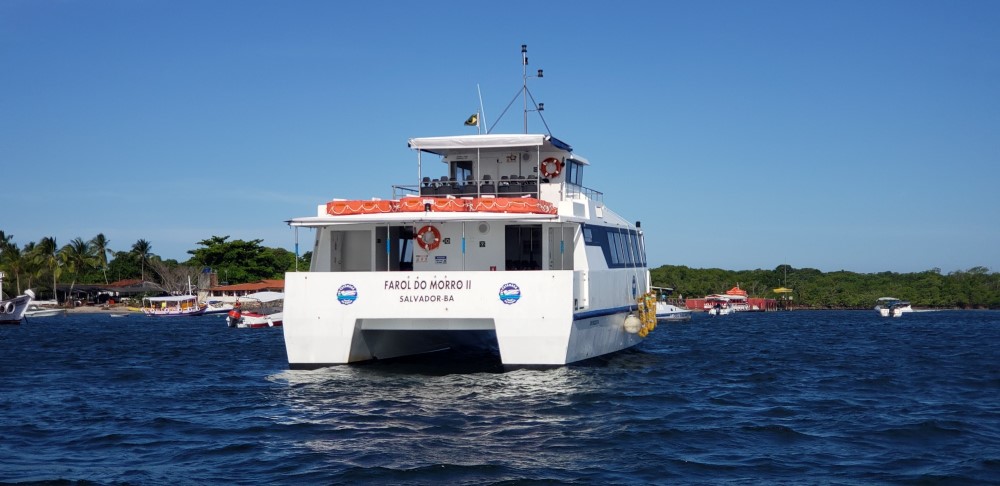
<point x="427" y="298"/>
<point x="419" y="284"/>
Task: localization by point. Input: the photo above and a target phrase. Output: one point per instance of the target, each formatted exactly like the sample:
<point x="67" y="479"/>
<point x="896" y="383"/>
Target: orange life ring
<point x="545" y="167"/>
<point x="428" y="242"/>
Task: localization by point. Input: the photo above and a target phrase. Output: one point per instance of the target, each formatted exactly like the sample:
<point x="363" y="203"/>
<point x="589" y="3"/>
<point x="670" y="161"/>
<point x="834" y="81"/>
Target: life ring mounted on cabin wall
<point x="556" y="163"/>
<point x="429" y="238"/>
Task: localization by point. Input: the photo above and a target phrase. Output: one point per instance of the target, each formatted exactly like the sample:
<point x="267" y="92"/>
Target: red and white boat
<point x="260" y="309"/>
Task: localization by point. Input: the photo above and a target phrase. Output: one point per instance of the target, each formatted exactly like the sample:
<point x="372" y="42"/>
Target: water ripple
<point x="789" y="398"/>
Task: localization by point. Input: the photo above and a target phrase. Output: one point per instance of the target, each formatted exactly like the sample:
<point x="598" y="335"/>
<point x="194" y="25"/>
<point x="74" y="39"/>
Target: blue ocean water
<point x="840" y="397"/>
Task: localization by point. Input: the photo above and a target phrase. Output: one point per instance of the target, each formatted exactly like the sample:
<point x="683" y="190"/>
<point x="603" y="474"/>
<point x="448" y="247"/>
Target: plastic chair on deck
<point x="530" y="186"/>
<point x="487" y="186"/>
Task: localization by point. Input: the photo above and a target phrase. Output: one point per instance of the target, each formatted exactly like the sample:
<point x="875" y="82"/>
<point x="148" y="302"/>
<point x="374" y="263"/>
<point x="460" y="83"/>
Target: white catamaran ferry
<point x="503" y="248"/>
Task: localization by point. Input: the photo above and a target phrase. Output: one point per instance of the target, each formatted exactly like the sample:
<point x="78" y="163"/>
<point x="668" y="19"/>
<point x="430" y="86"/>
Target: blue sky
<point x="854" y="135"/>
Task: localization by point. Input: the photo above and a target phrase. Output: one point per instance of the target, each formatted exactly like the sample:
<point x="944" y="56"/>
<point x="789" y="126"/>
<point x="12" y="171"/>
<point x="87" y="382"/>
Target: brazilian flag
<point x="473" y="120"/>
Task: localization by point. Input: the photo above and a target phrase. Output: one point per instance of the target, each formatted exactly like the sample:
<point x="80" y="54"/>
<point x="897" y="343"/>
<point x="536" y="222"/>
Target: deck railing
<point x="488" y="187"/>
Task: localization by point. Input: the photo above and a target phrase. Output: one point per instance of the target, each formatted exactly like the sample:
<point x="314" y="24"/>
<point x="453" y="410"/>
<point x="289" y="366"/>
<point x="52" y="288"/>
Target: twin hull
<point x="532" y="317"/>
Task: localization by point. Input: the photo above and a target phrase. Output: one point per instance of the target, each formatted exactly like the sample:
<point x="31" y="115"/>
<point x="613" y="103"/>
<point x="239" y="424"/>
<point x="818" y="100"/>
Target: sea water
<point x="842" y="397"/>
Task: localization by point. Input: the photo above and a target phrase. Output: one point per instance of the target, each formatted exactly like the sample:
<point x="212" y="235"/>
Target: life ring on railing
<point x="8" y="307"/>
<point x="429" y="238"/>
<point x="555" y="172"/>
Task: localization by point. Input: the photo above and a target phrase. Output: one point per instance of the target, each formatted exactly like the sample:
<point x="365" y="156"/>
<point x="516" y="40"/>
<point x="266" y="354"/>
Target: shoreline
<point x="93" y="309"/>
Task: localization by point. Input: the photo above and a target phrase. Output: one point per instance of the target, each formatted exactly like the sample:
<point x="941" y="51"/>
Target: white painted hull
<point x="12" y="310"/>
<point x="895" y="312"/>
<point x="343" y="317"/>
<point x="35" y="311"/>
<point x="671" y="313"/>
<point x="724" y="311"/>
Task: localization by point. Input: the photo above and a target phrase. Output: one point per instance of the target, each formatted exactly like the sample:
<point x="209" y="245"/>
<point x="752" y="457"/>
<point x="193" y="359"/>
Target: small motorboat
<point x="35" y="311"/>
<point x="257" y="310"/>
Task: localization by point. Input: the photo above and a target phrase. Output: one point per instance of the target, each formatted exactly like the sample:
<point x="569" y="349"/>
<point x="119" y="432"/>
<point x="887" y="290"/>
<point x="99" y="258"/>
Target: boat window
<point x="621" y="248"/>
<point x="574" y="173"/>
<point x="462" y="171"/>
<point x="614" y="248"/>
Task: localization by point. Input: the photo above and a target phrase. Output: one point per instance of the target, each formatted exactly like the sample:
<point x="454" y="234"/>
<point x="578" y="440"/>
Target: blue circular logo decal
<point x="347" y="294"/>
<point x="509" y="293"/>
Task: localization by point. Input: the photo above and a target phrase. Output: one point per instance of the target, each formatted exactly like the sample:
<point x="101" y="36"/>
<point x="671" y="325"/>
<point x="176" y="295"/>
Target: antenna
<point x="526" y="94"/>
<point x="482" y="111"/>
<point x="524" y="78"/>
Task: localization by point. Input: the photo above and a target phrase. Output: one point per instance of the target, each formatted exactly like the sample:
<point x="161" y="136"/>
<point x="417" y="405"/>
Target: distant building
<point x="240" y="290"/>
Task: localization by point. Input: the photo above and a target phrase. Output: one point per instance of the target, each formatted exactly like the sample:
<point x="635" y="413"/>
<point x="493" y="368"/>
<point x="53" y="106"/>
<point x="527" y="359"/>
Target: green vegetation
<point x="975" y="288"/>
<point x="45" y="265"/>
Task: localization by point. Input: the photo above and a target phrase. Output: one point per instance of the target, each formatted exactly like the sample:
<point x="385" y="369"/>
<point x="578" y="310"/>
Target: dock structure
<point x="738" y="297"/>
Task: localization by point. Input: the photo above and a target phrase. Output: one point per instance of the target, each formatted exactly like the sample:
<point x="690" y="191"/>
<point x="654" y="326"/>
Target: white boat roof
<point x="265" y="296"/>
<point x="465" y="143"/>
<point x="491" y="140"/>
<point x="171" y="298"/>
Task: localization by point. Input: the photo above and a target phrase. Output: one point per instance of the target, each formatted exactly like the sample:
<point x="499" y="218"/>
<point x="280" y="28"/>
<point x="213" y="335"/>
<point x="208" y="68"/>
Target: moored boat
<point x="667" y="312"/>
<point x="892" y="307"/>
<point x="257" y="310"/>
<point x="507" y="251"/>
<point x="12" y="310"/>
<point x="172" y="306"/>
<point x="34" y="311"/>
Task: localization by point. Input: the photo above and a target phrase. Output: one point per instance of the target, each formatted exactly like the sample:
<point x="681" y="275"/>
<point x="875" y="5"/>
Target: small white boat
<point x="35" y="310"/>
<point x="12" y="310"/>
<point x="666" y="312"/>
<point x="219" y="305"/>
<point x="256" y="310"/>
<point x="892" y="307"/>
<point x="720" y="305"/>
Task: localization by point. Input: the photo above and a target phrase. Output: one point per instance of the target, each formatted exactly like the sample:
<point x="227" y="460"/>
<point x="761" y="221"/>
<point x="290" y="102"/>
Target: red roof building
<point x="247" y="288"/>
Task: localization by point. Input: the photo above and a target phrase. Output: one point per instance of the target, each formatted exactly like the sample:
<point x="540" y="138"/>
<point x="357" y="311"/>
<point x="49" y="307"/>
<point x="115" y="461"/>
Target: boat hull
<point x="528" y="317"/>
<point x="169" y="313"/>
<point x="12" y="310"/>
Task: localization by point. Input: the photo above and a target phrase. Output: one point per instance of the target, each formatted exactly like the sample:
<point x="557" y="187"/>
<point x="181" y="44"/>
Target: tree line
<point x="975" y="288"/>
<point x="43" y="265"/>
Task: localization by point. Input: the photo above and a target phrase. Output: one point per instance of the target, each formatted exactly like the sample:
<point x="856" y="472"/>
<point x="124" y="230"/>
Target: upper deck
<point x="504" y="165"/>
<point x="491" y="176"/>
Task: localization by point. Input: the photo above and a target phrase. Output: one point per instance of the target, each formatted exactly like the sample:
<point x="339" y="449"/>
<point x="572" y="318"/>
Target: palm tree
<point x="47" y="255"/>
<point x="5" y="241"/>
<point x="14" y="261"/>
<point x="99" y="245"/>
<point x="28" y="264"/>
<point x="142" y="249"/>
<point x="5" y="245"/>
<point x="78" y="257"/>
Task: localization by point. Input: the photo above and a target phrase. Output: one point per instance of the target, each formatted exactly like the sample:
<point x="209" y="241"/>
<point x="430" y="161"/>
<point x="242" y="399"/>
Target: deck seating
<point x="516" y="186"/>
<point x="487" y="186"/>
<point x="470" y="187"/>
<point x="530" y="186"/>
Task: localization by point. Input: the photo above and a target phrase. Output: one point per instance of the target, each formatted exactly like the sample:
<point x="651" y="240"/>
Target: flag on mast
<point x="473" y="120"/>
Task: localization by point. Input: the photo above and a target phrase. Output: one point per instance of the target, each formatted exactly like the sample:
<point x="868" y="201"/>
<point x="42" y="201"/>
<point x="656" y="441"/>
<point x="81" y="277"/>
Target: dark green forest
<point x="975" y="288"/>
